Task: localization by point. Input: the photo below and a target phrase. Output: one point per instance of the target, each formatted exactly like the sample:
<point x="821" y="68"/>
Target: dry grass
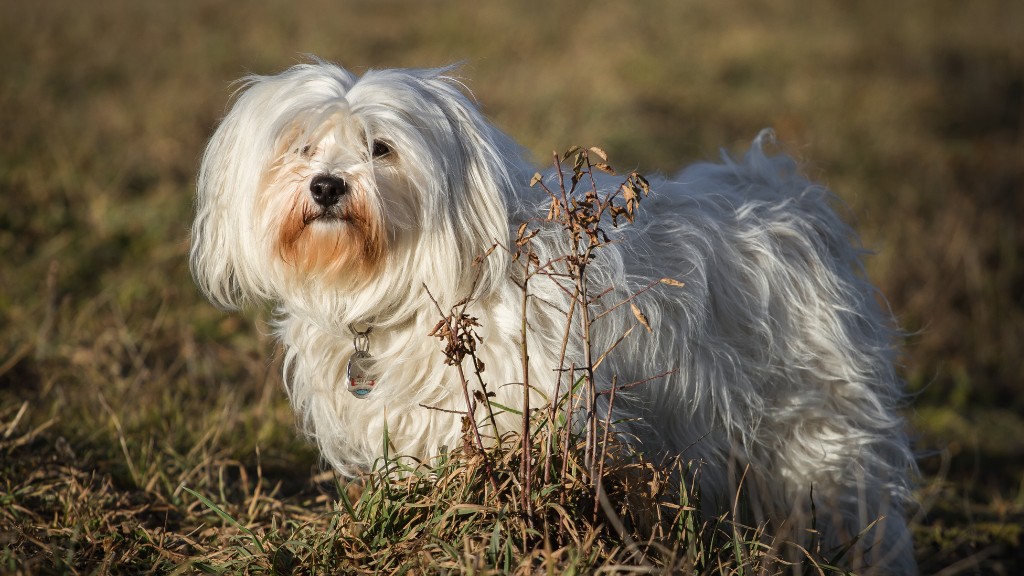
<point x="118" y="384"/>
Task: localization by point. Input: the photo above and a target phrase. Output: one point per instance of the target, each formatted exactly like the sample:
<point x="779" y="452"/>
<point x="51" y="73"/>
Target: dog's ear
<point x="223" y="256"/>
<point x="492" y="172"/>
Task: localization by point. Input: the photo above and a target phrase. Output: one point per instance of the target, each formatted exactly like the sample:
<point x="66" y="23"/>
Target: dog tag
<point x="359" y="383"/>
<point x="357" y="373"/>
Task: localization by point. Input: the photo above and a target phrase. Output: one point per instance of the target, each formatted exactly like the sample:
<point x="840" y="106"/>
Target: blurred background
<point x="913" y="112"/>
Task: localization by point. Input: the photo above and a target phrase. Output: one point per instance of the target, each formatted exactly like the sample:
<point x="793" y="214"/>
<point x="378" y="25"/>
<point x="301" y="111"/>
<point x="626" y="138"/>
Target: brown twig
<point x="455" y="329"/>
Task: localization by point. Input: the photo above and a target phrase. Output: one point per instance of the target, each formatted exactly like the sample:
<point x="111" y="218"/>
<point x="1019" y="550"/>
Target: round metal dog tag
<point x="359" y="383"/>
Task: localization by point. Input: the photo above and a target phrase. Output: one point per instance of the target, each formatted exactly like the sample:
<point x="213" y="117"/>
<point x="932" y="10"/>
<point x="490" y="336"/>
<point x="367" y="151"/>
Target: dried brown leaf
<point x="642" y="182"/>
<point x="640" y="316"/>
<point x="438" y="328"/>
<point x="556" y="209"/>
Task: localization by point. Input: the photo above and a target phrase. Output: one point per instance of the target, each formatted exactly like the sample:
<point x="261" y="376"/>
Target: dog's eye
<point x="380" y="149"/>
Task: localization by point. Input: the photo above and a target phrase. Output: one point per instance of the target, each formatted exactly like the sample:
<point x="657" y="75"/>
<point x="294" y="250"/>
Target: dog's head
<point x="321" y="183"/>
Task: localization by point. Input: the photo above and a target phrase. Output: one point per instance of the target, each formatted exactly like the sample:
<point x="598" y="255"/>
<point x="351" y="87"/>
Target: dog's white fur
<point x="782" y="356"/>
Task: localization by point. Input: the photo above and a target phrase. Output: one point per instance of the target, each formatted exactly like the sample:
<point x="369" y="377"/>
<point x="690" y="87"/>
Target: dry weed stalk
<point x="457" y="331"/>
<point x="582" y="212"/>
<point x="584" y="218"/>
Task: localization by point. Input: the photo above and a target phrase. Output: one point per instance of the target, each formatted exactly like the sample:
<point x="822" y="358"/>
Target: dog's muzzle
<point x="327" y="190"/>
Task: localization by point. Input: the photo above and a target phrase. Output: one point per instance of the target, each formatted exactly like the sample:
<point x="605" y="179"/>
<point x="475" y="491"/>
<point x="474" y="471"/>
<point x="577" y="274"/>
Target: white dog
<point x="350" y="202"/>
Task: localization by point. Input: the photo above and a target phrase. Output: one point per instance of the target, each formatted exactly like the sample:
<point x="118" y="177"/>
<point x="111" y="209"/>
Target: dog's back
<point x="782" y="353"/>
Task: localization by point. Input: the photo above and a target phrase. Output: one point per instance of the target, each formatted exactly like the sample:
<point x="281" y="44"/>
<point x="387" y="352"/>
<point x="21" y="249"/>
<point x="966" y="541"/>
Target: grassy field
<point x="119" y="384"/>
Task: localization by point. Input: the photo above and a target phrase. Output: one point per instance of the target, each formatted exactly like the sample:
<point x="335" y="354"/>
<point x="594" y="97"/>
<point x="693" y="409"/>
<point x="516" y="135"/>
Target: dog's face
<point x="336" y="199"/>
<point x="321" y="182"/>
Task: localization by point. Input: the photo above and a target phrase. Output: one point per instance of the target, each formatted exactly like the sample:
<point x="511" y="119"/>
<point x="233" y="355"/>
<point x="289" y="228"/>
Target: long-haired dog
<point x="352" y="204"/>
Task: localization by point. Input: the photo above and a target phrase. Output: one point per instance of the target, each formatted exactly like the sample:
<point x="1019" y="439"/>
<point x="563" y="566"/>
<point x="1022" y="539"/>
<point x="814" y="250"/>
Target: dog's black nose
<point x="327" y="189"/>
